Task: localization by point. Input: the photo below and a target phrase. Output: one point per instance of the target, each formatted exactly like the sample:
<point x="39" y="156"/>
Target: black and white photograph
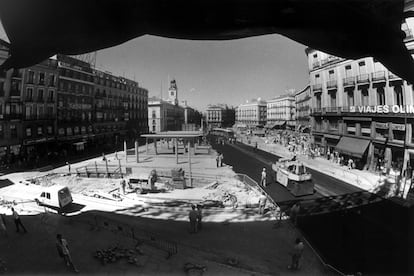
<point x="207" y="137"/>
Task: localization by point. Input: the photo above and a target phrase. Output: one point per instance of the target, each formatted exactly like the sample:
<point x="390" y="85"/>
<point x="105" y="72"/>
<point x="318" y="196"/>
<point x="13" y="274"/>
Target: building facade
<point x="281" y="111"/>
<point x="220" y="115"/>
<point x="120" y="108"/>
<point x="164" y="116"/>
<point x="303" y="102"/>
<point x="362" y="110"/>
<point x="75" y="100"/>
<point x="61" y="106"/>
<point x="252" y="114"/>
<point x="27" y="111"/>
<point x="192" y="118"/>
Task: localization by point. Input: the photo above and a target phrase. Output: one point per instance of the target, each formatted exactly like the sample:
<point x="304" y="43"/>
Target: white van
<point x="55" y="196"/>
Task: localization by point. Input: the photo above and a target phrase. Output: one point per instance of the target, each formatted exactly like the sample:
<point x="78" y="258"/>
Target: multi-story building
<point x="220" y="115"/>
<point x="11" y="112"/>
<point x="53" y="108"/>
<point x="39" y="109"/>
<point x="303" y="101"/>
<point x="27" y="111"/>
<point x="192" y="118"/>
<point x="252" y="113"/>
<point x="75" y="98"/>
<point x="362" y="110"/>
<point x="120" y="108"/>
<point x="281" y="111"/>
<point x="164" y="115"/>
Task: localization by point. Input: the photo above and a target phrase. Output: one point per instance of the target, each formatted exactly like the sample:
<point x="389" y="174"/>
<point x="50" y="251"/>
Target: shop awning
<point x="352" y="146"/>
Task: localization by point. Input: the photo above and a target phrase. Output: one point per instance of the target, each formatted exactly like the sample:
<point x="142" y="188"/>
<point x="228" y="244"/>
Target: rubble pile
<point x="232" y="193"/>
<point x="114" y="254"/>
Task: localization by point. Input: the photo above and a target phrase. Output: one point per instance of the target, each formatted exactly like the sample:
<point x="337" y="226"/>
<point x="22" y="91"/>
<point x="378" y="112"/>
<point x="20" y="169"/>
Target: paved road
<point x="245" y="159"/>
<point x="371" y="239"/>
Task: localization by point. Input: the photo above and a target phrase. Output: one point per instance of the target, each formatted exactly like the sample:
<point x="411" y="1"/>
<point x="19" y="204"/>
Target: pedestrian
<point x="3" y="228"/>
<point x="193" y="220"/>
<point x="262" y="203"/>
<point x="103" y="157"/>
<point x="294" y="212"/>
<point x="221" y="157"/>
<point x="350" y="163"/>
<point x="255" y="146"/>
<point x="67" y="163"/>
<point x="263" y="178"/>
<point x="63" y="251"/>
<point x="296" y="254"/>
<point x="199" y="217"/>
<point x="123" y="185"/>
<point x="217" y="159"/>
<point x="17" y="221"/>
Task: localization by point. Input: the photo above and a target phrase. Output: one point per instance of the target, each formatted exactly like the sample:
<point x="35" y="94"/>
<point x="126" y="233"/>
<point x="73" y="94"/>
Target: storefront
<point x="354" y="148"/>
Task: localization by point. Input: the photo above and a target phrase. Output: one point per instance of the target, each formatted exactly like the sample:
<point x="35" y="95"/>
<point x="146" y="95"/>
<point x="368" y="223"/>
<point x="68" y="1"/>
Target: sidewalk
<point x="364" y="180"/>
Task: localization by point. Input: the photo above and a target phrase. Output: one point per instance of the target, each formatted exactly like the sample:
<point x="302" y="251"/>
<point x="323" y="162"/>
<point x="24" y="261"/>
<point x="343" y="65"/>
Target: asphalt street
<point x="372" y="239"/>
<point x="244" y="159"/>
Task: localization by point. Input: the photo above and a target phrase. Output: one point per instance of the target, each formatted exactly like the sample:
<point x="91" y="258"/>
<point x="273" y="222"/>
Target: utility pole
<point x="189" y="163"/>
<point x="136" y="151"/>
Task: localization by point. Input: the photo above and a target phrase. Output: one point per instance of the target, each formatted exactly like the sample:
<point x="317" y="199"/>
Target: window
<point x="318" y="101"/>
<point x="39" y="130"/>
<point x="29" y="94"/>
<point x="31" y="77"/>
<point x="51" y="80"/>
<point x="364" y="97"/>
<point x="399" y="96"/>
<point x="351" y="100"/>
<point x="380" y="96"/>
<point x="41" y="78"/>
<point x="362" y="68"/>
<point x="1" y="89"/>
<point x="331" y="74"/>
<point x="49" y="130"/>
<point x="68" y="131"/>
<point x="40" y="94"/>
<point x="48" y="195"/>
<point x="333" y="98"/>
<point x="13" y="131"/>
<point x="61" y="131"/>
<point x="28" y="132"/>
<point x="28" y="111"/>
<point x="51" y="95"/>
<point x="1" y="131"/>
<point x="153" y="128"/>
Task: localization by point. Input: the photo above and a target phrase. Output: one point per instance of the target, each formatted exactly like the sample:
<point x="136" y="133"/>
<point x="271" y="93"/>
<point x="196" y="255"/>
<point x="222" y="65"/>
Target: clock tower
<point x="173" y="93"/>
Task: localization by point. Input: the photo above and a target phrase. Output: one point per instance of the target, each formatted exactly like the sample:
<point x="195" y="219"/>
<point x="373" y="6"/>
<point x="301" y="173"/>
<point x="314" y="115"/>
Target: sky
<point x="210" y="72"/>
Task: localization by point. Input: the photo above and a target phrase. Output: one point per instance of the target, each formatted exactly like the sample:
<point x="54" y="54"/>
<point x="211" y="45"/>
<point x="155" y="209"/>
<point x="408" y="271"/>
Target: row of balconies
<point x="339" y="110"/>
<point x="362" y="79"/>
<point x="39" y="99"/>
<point x="325" y="61"/>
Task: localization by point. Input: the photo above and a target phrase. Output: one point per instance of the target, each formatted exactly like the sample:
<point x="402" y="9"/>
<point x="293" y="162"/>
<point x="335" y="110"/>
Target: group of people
<point x="195" y="217"/>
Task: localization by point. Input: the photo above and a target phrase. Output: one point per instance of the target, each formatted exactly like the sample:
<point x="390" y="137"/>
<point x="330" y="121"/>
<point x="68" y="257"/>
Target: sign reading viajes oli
<point x="383" y="109"/>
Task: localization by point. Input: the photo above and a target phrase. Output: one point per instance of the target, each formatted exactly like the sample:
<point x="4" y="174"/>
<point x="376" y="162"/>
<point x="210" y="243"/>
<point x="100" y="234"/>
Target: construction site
<point x="158" y="192"/>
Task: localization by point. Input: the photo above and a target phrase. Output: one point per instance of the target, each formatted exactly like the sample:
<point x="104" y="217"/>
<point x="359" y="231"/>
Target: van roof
<point x="55" y="188"/>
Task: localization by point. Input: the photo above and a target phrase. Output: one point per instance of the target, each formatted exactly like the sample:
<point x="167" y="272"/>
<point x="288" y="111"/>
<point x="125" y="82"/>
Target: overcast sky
<point x="209" y="72"/>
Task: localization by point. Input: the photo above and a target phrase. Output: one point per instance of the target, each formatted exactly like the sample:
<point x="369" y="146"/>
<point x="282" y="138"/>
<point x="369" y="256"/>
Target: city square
<point x="209" y="138"/>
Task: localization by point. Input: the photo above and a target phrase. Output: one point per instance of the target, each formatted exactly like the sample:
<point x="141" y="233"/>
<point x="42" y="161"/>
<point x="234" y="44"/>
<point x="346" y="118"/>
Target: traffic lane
<point x="251" y="166"/>
<point x="333" y="185"/>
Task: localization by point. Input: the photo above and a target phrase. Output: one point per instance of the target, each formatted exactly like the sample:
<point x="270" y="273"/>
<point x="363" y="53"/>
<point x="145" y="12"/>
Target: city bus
<point x="222" y="132"/>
